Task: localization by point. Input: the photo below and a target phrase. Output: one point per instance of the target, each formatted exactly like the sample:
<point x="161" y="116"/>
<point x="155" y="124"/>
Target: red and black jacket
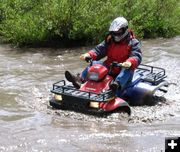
<point x="126" y="50"/>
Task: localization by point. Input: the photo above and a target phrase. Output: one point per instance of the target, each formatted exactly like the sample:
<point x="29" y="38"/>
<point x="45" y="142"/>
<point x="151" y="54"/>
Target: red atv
<point x="93" y="97"/>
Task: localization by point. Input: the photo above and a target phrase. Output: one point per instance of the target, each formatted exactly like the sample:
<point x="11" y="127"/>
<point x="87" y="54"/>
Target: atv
<point x="95" y="96"/>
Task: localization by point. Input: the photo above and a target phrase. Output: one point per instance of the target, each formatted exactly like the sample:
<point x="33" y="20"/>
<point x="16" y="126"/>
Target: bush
<point x="33" y="22"/>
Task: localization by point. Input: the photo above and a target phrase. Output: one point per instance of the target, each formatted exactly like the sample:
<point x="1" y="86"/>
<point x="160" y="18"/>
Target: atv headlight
<point x="94" y="104"/>
<point x="58" y="97"/>
<point x="93" y="76"/>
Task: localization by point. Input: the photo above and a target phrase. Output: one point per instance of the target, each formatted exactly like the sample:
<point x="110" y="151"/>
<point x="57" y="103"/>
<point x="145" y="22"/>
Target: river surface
<point x="28" y="124"/>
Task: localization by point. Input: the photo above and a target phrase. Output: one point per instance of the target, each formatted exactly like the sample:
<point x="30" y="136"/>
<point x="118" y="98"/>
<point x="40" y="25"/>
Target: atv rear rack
<point x="152" y="74"/>
<point x="61" y="88"/>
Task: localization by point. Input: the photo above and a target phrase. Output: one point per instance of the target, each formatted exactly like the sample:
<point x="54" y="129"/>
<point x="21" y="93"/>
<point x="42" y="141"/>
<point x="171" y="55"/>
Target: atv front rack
<point x="154" y="75"/>
<point x="61" y="88"/>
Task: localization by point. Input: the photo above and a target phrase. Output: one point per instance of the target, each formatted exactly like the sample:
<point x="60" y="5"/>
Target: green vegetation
<point x="35" y="22"/>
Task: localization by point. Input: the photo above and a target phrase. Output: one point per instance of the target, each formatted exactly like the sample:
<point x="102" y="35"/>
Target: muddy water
<point x="28" y="124"/>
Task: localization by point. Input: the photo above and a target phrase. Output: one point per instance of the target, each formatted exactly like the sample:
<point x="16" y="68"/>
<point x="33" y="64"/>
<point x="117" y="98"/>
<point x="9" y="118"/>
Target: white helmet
<point x="116" y="25"/>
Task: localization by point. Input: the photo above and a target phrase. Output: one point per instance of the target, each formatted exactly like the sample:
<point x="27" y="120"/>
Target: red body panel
<point x="102" y="86"/>
<point x="113" y="104"/>
<point x="101" y="70"/>
<point x="97" y="87"/>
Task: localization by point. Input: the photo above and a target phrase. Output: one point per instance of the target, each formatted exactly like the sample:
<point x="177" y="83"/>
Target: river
<point x="27" y="123"/>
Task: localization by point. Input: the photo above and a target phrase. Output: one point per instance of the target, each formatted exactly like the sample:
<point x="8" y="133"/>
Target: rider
<point x="121" y="46"/>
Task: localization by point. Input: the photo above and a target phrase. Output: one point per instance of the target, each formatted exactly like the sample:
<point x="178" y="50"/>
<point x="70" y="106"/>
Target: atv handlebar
<point x="89" y="59"/>
<point x="115" y="64"/>
<point x="112" y="65"/>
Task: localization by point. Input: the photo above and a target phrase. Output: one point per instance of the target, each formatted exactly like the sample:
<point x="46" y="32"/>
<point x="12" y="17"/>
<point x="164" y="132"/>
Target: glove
<point x="85" y="56"/>
<point x="126" y="64"/>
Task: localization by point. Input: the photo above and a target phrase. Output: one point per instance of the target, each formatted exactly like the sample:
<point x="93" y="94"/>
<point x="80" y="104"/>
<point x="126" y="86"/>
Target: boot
<point x="114" y="86"/>
<point x="76" y="80"/>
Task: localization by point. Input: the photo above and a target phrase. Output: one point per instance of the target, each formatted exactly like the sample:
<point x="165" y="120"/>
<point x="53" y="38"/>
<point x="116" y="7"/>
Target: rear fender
<point x="117" y="104"/>
<point x="159" y="87"/>
<point x="143" y="93"/>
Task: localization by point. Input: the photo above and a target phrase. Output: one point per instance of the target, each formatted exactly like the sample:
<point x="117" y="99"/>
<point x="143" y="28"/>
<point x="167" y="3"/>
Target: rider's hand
<point x="84" y="56"/>
<point x="126" y="64"/>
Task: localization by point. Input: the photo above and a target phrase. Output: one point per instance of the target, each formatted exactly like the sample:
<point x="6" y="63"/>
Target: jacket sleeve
<point x="99" y="51"/>
<point x="135" y="55"/>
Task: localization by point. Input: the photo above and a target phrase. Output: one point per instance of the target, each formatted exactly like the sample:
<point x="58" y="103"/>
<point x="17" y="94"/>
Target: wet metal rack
<point x="62" y="89"/>
<point x="152" y="74"/>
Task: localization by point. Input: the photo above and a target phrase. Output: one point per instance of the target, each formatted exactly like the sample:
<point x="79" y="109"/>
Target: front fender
<point x="117" y="105"/>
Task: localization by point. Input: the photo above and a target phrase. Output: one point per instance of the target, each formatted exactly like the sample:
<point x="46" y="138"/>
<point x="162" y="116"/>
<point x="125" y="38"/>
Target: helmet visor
<point x="118" y="33"/>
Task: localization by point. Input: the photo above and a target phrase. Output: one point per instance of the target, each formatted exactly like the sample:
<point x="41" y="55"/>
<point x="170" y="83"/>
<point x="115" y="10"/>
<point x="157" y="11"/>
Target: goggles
<point x="117" y="34"/>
